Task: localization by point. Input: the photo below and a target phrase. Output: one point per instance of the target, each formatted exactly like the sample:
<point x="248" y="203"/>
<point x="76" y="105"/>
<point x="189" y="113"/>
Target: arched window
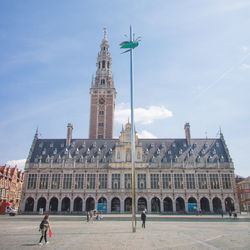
<point x="103" y="64"/>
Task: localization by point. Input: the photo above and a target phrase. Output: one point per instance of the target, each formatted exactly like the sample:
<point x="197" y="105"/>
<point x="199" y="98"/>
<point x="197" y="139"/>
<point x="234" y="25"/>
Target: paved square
<point x="162" y="232"/>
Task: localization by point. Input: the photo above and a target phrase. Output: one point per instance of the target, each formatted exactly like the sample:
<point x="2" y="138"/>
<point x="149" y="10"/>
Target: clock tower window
<point x="103" y="64"/>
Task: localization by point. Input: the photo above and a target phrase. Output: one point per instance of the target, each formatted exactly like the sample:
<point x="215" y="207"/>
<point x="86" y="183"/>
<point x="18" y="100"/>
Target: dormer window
<point x="214" y="151"/>
<point x="169" y="152"/>
<point x="195" y="145"/>
<point x="47" y="159"/>
<point x="184" y="145"/>
<point x="146" y="151"/>
<point x="174" y="145"/>
<point x="59" y="159"/>
<point x="203" y="151"/>
<point x="88" y="152"/>
<point x="81" y="159"/>
<point x="62" y="145"/>
<point x="66" y="151"/>
<point x="198" y="159"/>
<point x="222" y="159"/>
<point x="55" y="151"/>
<point x="44" y="152"/>
<point x="77" y="151"/>
<point x="158" y="151"/>
<point x="92" y="159"/>
<point x="206" y="145"/>
<point x="104" y="159"/>
<point x="99" y="151"/>
<point x="217" y="144"/>
<point x="180" y="151"/>
<point x="176" y="159"/>
<point x="51" y="145"/>
<point x="191" y="152"/>
<point x="209" y="159"/>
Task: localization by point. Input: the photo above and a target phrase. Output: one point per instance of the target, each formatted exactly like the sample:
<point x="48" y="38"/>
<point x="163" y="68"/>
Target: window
<point x="141" y="179"/>
<point x="101" y="124"/>
<point x="115" y="181"/>
<point x="178" y="181"/>
<point x="166" y="181"/>
<point x="190" y="181"/>
<point x="99" y="65"/>
<point x="67" y="181"/>
<point x="226" y="181"/>
<point x="32" y="181"/>
<point x="108" y="64"/>
<point x="128" y="181"/>
<point x="214" y="181"/>
<point x="103" y="64"/>
<point x="155" y="181"/>
<point x="101" y="112"/>
<point x="102" y="81"/>
<point x="100" y="136"/>
<point x="103" y="181"/>
<point x="55" y="182"/>
<point x="202" y="180"/>
<point x="79" y="181"/>
<point x="91" y="181"/>
<point x="43" y="181"/>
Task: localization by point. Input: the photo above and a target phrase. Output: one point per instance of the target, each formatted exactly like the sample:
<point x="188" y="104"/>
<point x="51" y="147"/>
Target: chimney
<point x="69" y="134"/>
<point x="187" y="133"/>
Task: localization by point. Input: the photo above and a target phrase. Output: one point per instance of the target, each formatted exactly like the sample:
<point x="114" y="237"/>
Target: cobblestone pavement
<point x="115" y="232"/>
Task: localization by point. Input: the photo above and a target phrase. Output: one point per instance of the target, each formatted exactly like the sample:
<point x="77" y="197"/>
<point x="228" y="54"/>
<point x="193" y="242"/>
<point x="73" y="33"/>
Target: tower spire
<point x="105" y="32"/>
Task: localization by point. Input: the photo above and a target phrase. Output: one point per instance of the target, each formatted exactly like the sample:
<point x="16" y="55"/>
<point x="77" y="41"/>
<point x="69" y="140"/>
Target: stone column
<point x="35" y="205"/>
<point x="149" y="205"/>
<point x="162" y="207"/>
<point x="83" y="205"/>
<point x="174" y="205"/>
<point x="47" y="205"/>
<point x="122" y="206"/>
<point x="108" y="205"/>
<point x="71" y="205"/>
<point x="59" y="205"/>
<point x="210" y="205"/>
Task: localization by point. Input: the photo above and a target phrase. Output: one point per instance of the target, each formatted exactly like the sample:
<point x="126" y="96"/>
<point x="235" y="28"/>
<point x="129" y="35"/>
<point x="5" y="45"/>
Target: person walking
<point x="143" y="218"/>
<point x="44" y="226"/>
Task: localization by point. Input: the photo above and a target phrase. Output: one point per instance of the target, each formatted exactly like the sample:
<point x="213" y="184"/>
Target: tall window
<point x="115" y="181"/>
<point x="67" y="181"/>
<point x="141" y="180"/>
<point x="90" y="181"/>
<point x="178" y="181"/>
<point x="79" y="181"/>
<point x="103" y="64"/>
<point x="32" y="181"/>
<point x="43" y="181"/>
<point x="214" y="181"/>
<point x="102" y="81"/>
<point x="190" y="181"/>
<point x="55" y="182"/>
<point x="226" y="181"/>
<point x="166" y="181"/>
<point x="155" y="181"/>
<point x="103" y="181"/>
<point x="127" y="181"/>
<point x="202" y="180"/>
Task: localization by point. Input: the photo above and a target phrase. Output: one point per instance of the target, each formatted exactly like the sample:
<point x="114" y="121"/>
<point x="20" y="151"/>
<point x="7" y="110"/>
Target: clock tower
<point x="103" y="93"/>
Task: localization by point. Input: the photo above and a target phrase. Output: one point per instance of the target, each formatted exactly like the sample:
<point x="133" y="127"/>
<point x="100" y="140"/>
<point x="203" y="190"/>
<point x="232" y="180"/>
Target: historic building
<point x="243" y="189"/>
<point x="11" y="182"/>
<point x="172" y="175"/>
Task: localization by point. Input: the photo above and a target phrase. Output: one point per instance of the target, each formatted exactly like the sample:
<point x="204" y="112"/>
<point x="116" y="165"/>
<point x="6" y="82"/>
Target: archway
<point x="167" y="205"/>
<point x="29" y="205"/>
<point x="102" y="204"/>
<point x="204" y="204"/>
<point x="142" y="204"/>
<point x="217" y="205"/>
<point x="192" y="204"/>
<point x="180" y="205"/>
<point x="155" y="205"/>
<point x="90" y="204"/>
<point x="53" y="205"/>
<point x="115" y="205"/>
<point x="128" y="204"/>
<point x="41" y="204"/>
<point x="229" y="204"/>
<point x="78" y="204"/>
<point x="66" y="204"/>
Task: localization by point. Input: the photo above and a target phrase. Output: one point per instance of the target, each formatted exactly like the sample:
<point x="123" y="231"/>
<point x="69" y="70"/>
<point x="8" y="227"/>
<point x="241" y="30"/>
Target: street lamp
<point x="130" y="45"/>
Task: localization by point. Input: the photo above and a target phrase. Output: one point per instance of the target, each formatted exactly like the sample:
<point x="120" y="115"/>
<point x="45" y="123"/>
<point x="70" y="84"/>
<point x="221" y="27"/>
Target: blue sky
<point x="193" y="65"/>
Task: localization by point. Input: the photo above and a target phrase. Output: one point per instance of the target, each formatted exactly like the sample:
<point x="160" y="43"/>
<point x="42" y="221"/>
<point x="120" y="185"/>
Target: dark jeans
<point x="143" y="223"/>
<point x="44" y="234"/>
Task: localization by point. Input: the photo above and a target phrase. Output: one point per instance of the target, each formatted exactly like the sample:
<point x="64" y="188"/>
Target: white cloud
<point x="19" y="163"/>
<point x="142" y="115"/>
<point x="245" y="66"/>
<point x="146" y="134"/>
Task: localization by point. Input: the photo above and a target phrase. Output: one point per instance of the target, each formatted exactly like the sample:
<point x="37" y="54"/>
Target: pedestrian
<point x="88" y="216"/>
<point x="222" y="213"/>
<point x="44" y="226"/>
<point x="230" y="213"/>
<point x="143" y="218"/>
<point x="235" y="214"/>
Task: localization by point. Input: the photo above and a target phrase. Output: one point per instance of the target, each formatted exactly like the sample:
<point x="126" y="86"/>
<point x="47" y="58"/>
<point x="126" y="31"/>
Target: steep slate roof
<point x="177" y="150"/>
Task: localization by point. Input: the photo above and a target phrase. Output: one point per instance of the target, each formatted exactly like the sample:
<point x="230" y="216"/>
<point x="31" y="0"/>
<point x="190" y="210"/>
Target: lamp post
<point x="130" y="45"/>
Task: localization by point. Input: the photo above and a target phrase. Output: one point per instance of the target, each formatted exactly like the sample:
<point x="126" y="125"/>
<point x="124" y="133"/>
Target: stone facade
<point x="172" y="175"/>
<point x="243" y="189"/>
<point x="11" y="181"/>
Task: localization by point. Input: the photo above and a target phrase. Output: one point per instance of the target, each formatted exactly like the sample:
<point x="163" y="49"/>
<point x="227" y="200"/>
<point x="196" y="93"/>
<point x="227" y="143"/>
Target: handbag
<point x="50" y="233"/>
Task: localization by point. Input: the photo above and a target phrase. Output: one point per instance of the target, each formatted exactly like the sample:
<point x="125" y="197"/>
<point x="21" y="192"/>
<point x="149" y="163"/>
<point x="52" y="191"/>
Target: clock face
<point x="101" y="100"/>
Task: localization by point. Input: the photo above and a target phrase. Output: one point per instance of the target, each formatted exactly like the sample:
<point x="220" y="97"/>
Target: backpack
<point x="41" y="225"/>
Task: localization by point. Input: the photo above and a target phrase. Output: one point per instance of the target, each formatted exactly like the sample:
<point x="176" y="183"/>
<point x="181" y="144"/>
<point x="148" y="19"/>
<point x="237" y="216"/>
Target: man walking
<point x="143" y="218"/>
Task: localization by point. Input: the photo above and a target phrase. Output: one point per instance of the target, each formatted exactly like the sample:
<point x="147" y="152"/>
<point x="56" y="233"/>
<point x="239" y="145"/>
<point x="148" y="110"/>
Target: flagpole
<point x="132" y="134"/>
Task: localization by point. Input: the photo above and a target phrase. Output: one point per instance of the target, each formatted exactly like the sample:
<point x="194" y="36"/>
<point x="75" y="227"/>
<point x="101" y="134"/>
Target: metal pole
<point x="132" y="134"/>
